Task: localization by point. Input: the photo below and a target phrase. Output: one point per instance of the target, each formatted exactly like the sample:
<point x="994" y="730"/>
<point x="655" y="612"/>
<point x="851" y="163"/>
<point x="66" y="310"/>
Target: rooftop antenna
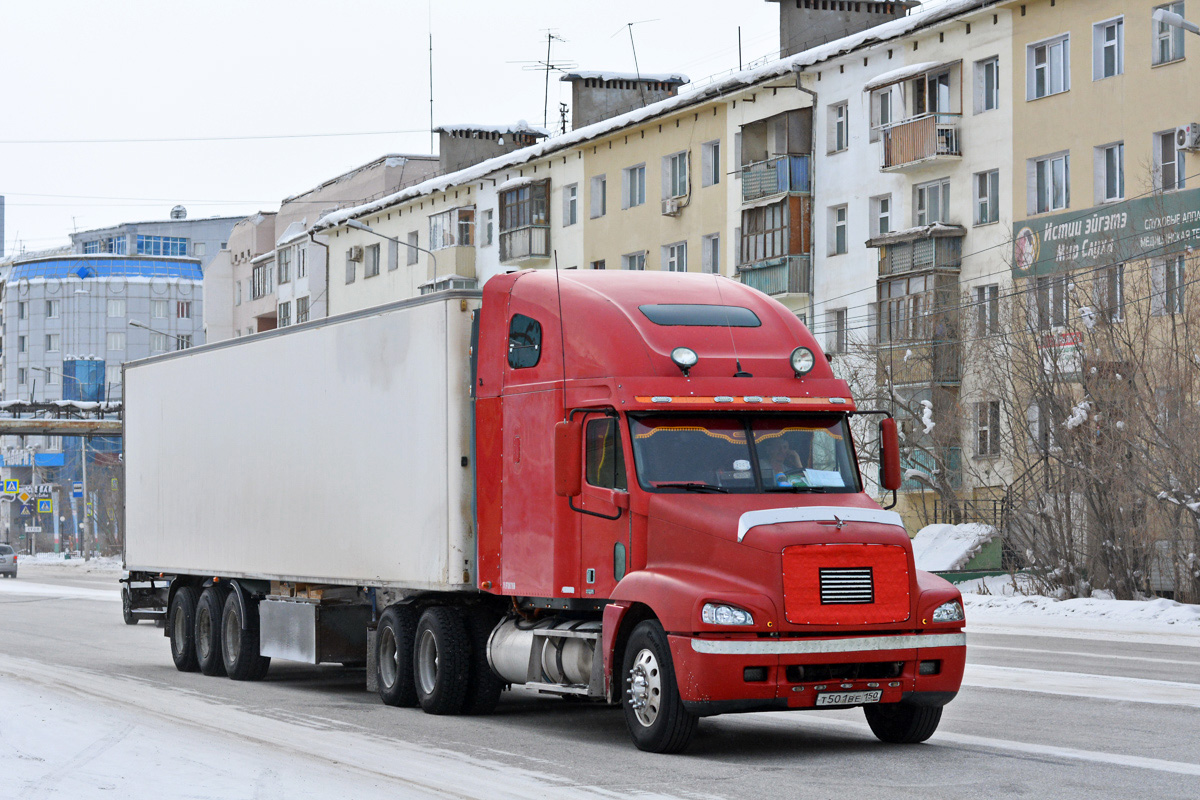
<point x="429" y="7"/>
<point x="562" y="113"/>
<point x="547" y="67"/>
<point x="636" y="69"/>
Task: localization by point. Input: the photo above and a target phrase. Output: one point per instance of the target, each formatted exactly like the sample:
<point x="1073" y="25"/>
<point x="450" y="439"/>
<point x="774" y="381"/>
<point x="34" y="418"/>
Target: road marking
<point x="1078" y="684"/>
<point x="1085" y="655"/>
<point x="1183" y="636"/>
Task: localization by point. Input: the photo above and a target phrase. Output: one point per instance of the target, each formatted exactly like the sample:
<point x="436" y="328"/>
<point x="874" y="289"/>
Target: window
<point x="52" y="342"/>
<point x="987" y="428"/>
<point x="199" y="248"/>
<point x="764" y="233"/>
<point x="183" y="309"/>
<point x="837" y="230"/>
<point x="1110" y="172"/>
<point x="906" y="305"/>
<point x="524" y="342"/>
<point x="22" y="345"/>
<point x="22" y="376"/>
<point x="414" y="242"/>
<point x="1109" y="293"/>
<point x="710" y="163"/>
<point x="1051" y="301"/>
<point x="1048" y="67"/>
<point x="839" y="127"/>
<point x="1108" y="48"/>
<point x="710" y="253"/>
<point x="881" y="215"/>
<point x="1169" y="169"/>
<point x="836" y="320"/>
<point x="674" y="257"/>
<point x="90" y="248"/>
<point x="283" y="314"/>
<point x="881" y="111"/>
<point x="1051" y="184"/>
<point x="284" y="265"/>
<point x="1168" y="281"/>
<point x="1168" y="40"/>
<point x="604" y="464"/>
<point x="370" y="261"/>
<point x="599" y="196"/>
<point x="22" y="310"/>
<point x="441" y="233"/>
<point x="351" y="270"/>
<point x="570" y="204"/>
<point x="161" y="246"/>
<point x="116" y="340"/>
<point x="112" y="374"/>
<point x="635" y="261"/>
<point x="464" y="224"/>
<point x="525" y="221"/>
<point x="158" y="342"/>
<point x="261" y="278"/>
<point x="987" y="309"/>
<point x="675" y="175"/>
<point x="116" y="308"/>
<point x="301" y="261"/>
<point x="633" y="186"/>
<point x="931" y="202"/>
<point x="987" y="84"/>
<point x="158" y="308"/>
<point x="987" y="197"/>
<point x="52" y="308"/>
<point x="597" y="264"/>
<point x="301" y="310"/>
<point x="183" y="342"/>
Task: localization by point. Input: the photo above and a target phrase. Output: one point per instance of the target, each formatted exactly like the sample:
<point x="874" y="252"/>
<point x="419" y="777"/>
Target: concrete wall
<point x="808" y="23"/>
<point x="593" y="99"/>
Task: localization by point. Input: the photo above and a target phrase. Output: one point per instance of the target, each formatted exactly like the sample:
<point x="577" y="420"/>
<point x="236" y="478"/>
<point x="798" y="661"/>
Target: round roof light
<point x="803" y="361"/>
<point x="685" y="358"/>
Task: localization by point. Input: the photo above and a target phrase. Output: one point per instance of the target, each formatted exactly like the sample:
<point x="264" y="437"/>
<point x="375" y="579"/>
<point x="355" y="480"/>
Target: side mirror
<point x="568" y="450"/>
<point x="889" y="453"/>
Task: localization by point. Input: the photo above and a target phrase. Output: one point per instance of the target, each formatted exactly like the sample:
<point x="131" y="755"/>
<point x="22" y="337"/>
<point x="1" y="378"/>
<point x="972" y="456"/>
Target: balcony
<point x="786" y="275"/>
<point x="933" y="361"/>
<point x="779" y="175"/>
<point x="920" y="139"/>
<point x="524" y="244"/>
<point x="920" y="255"/>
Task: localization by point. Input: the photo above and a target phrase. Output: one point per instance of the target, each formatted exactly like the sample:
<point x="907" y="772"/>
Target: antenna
<point x="547" y="67"/>
<point x="562" y="113"/>
<point x="729" y="327"/>
<point x="429" y="7"/>
<point x="637" y="70"/>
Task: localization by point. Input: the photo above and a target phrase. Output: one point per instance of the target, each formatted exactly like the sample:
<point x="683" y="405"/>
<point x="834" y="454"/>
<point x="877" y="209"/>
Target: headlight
<point x="716" y="614"/>
<point x="949" y="612"/>
<point x="803" y="361"/>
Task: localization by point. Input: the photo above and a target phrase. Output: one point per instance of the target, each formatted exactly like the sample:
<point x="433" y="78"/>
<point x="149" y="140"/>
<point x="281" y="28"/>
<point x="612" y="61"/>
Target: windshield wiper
<point x="692" y="486"/>
<point x="794" y="489"/>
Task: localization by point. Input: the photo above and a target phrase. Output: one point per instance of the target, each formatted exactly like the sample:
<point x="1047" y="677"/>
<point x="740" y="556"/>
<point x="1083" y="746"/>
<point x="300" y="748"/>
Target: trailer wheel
<point x="654" y="712"/>
<point x="394" y="658"/>
<point x="901" y="723"/>
<point x="442" y="660"/>
<point x="239" y="647"/>
<point x="182" y="623"/>
<point x="127" y="607"/>
<point x="484" y="686"/>
<point x="209" y="610"/>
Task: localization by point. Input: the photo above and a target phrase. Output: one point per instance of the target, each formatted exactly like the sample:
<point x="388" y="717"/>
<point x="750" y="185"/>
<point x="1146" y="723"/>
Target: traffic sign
<point x="25" y="509"/>
<point x="24" y="496"/>
<point x="77" y="489"/>
<point x="12" y="485"/>
<point x="33" y="528"/>
<point x="45" y="505"/>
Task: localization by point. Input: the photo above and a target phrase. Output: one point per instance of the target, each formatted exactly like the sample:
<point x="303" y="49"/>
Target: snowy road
<point x="90" y="707"/>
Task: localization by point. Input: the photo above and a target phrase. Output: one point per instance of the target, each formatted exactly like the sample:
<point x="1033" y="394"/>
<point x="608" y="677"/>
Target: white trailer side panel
<point x="328" y="453"/>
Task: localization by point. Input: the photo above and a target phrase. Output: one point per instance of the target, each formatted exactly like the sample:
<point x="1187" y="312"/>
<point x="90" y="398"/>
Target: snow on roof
<point x="739" y="80"/>
<point x="933" y="230"/>
<point x="290" y="234"/>
<point x="939" y="548"/>
<point x="520" y="126"/>
<point x="897" y="75"/>
<point x="604" y="75"/>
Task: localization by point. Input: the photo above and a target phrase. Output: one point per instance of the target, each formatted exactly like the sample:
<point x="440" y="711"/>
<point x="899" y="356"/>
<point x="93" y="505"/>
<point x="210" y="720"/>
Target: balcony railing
<point x="776" y="176"/>
<point x="920" y="139"/>
<point x="531" y="241"/>
<point x="787" y="275"/>
<point x="931" y="361"/>
<point x="941" y="253"/>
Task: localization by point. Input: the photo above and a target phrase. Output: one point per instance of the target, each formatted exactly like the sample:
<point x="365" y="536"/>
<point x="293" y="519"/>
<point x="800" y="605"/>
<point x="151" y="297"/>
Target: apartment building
<point x="178" y="236"/>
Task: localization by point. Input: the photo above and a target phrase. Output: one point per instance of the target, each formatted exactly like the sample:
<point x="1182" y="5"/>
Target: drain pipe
<point x="312" y="237"/>
<point x="812" y="191"/>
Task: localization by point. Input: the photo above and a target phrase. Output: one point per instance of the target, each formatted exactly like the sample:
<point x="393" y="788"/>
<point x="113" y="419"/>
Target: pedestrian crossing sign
<point x="12" y="485"/>
<point x="45" y="505"/>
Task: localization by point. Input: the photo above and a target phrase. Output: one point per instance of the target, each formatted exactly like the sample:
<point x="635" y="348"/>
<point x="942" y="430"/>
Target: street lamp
<point x="1165" y="17"/>
<point x="362" y="226"/>
<point x="185" y="342"/>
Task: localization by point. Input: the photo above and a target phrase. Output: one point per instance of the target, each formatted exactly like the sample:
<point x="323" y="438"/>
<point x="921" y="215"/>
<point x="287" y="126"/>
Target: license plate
<point x="849" y="698"/>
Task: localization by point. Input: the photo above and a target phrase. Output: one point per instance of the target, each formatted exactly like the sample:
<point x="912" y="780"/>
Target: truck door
<point x="604" y="550"/>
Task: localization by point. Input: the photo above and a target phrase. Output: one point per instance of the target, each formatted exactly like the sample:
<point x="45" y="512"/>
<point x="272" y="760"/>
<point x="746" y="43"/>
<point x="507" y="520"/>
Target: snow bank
<point x="1008" y="604"/>
<point x="938" y="548"/>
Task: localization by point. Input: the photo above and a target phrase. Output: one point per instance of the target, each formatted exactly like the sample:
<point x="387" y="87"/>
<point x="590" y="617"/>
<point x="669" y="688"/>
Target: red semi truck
<point x="638" y="488"/>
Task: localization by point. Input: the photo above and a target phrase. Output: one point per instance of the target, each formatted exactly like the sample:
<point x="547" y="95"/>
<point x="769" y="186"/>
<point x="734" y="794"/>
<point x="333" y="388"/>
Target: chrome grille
<point x="847" y="586"/>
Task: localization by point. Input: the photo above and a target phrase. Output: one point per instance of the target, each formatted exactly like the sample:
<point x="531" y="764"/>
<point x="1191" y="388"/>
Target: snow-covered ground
<point x="937" y="548"/>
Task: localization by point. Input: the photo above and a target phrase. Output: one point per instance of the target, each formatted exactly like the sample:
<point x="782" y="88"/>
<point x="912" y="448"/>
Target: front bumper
<point x="718" y="676"/>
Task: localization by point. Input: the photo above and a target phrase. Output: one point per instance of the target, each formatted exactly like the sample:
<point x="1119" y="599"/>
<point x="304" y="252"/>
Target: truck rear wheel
<point x="442" y="660"/>
<point x="239" y="645"/>
<point x="127" y="608"/>
<point x="209" y="610"/>
<point x="484" y="685"/>
<point x="182" y="622"/>
<point x="902" y="723"/>
<point x="654" y="712"/>
<point x="394" y="656"/>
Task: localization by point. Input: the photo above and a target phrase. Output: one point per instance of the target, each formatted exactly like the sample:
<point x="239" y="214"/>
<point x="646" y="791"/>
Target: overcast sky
<point x="78" y="71"/>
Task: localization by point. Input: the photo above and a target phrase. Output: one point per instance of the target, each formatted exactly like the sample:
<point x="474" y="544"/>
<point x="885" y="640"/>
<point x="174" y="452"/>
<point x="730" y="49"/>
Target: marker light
<point x="803" y="361"/>
<point x="685" y="358"/>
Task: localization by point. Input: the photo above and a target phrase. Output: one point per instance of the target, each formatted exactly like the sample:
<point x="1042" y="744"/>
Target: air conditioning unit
<point x="355" y="253"/>
<point x="671" y="207"/>
<point x="1187" y="137"/>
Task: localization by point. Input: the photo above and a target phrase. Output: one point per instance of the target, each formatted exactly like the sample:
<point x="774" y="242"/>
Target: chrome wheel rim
<point x="427" y="662"/>
<point x="645" y="688"/>
<point x="389" y="658"/>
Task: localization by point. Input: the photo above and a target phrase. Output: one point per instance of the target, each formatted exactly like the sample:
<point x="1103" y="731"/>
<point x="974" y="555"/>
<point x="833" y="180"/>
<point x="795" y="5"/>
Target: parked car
<point x="8" y="561"/>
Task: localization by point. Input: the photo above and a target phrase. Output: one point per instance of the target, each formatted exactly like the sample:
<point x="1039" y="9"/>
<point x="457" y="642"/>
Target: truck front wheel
<point x="394" y="656"/>
<point x="127" y="608"/>
<point x="654" y="712"/>
<point x="182" y="620"/>
<point x="239" y="642"/>
<point x="209" y="610"/>
<point x="902" y="723"/>
<point x="442" y="660"/>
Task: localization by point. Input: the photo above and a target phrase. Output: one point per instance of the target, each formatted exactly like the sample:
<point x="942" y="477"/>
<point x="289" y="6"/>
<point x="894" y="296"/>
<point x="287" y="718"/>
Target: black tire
<point x="901" y="723"/>
<point x="127" y="608"/>
<point x="239" y="646"/>
<point x="654" y="712"/>
<point x="442" y="660"/>
<point x="181" y="626"/>
<point x="210" y="609"/>
<point x="483" y="685"/>
<point x="394" y="656"/>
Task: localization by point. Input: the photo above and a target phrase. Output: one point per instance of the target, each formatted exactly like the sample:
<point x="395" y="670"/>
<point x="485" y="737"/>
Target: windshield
<point x="744" y="453"/>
